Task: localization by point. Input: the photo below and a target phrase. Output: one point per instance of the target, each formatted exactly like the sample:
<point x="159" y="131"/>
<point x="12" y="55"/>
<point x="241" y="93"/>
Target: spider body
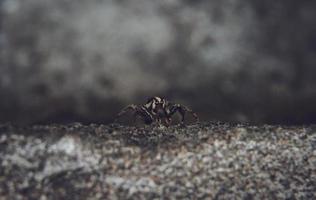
<point x="157" y="109"/>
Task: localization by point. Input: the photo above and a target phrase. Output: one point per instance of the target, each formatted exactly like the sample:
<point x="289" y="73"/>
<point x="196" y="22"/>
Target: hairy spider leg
<point x="138" y="111"/>
<point x="145" y="114"/>
<point x="182" y="110"/>
<point x="168" y="121"/>
<point x="132" y="107"/>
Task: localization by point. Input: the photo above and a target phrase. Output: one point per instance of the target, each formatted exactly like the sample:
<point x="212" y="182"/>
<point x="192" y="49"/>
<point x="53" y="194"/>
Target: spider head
<point x="156" y="105"/>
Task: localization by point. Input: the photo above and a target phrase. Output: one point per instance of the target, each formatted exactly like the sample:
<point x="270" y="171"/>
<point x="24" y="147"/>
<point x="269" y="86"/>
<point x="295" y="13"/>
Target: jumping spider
<point x="157" y="109"/>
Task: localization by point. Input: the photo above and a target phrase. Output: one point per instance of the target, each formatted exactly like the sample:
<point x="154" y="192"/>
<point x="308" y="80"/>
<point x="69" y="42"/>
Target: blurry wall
<point x="233" y="60"/>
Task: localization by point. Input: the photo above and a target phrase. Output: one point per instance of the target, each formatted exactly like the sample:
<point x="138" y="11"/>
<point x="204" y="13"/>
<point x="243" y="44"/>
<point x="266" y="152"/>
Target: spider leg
<point x="147" y="119"/>
<point x="168" y="121"/>
<point x="132" y="107"/>
<point x="182" y="110"/>
<point x="135" y="115"/>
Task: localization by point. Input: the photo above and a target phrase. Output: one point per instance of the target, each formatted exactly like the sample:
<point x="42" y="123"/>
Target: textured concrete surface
<point x="200" y="161"/>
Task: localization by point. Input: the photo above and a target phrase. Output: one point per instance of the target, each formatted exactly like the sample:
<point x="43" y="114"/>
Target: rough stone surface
<point x="207" y="160"/>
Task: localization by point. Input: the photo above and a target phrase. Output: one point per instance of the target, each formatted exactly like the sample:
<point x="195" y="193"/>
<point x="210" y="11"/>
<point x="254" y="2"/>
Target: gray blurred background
<point x="233" y="60"/>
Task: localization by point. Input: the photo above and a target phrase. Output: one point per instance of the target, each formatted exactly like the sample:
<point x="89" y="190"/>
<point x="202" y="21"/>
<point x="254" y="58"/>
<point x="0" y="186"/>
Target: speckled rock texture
<point x="200" y="161"/>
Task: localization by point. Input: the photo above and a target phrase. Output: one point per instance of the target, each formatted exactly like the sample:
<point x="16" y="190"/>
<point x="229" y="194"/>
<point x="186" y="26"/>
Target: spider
<point x="155" y="110"/>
